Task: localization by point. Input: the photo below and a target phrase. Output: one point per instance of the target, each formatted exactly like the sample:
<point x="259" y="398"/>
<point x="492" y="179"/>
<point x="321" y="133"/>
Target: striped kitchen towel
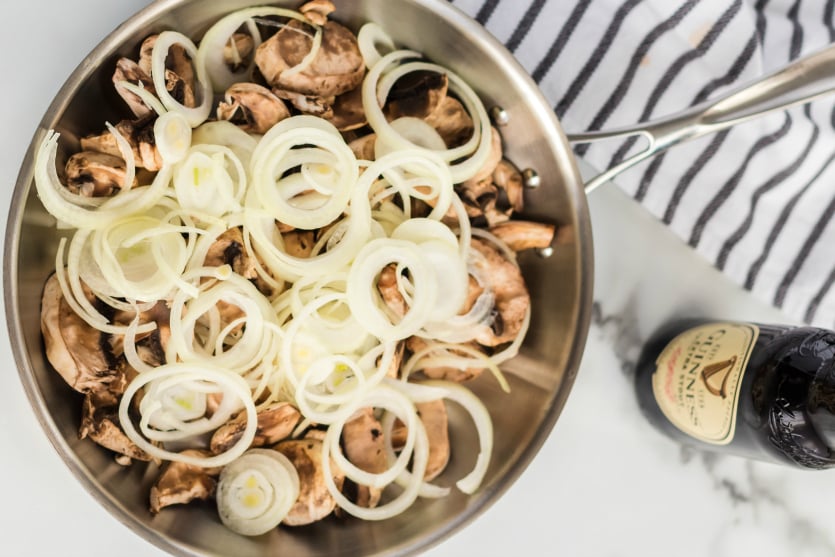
<point x="755" y="200"/>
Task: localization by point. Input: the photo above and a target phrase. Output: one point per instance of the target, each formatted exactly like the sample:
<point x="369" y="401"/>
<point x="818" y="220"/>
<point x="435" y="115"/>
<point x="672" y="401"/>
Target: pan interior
<point x="540" y="376"/>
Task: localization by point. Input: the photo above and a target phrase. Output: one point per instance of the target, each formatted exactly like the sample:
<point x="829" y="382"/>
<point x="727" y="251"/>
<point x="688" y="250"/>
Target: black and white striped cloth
<point x="757" y="200"/>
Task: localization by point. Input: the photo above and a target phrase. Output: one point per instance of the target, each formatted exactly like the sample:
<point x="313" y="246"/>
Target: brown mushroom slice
<point x="312" y="105"/>
<point x="275" y="423"/>
<point x="228" y="249"/>
<point x="433" y="415"/>
<point x="336" y="68"/>
<point x="365" y="448"/>
<point x="138" y="133"/>
<point x="179" y="72"/>
<point x="238" y="50"/>
<point x="387" y="286"/>
<point x="511" y="296"/>
<point x="180" y="483"/>
<point x="77" y="351"/>
<point x="315" y="501"/>
<point x="508" y="177"/>
<point x="452" y="122"/>
<point x="299" y="243"/>
<point x="100" y="422"/>
<point x="363" y="147"/>
<point x="128" y="70"/>
<point x="448" y="373"/>
<point x="317" y="11"/>
<point x="252" y="107"/>
<point x="347" y="111"/>
<point x="95" y="174"/>
<point x="520" y="234"/>
<point x="150" y="347"/>
<point x="478" y="196"/>
<point x="417" y="94"/>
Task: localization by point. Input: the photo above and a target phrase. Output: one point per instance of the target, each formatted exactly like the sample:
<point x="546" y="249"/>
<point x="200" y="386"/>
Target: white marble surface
<point x="604" y="485"/>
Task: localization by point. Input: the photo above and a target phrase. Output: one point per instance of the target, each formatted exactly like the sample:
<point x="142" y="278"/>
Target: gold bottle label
<point x="698" y="376"/>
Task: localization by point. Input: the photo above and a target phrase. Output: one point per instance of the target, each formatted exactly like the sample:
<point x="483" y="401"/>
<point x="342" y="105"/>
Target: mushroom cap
<point x="130" y="71"/>
<point x="511" y="295"/>
<point x="274" y="424"/>
<point x="317" y="11"/>
<point x="138" y="133"/>
<point x="238" y="50"/>
<point x="433" y="415"/>
<point x="337" y="67"/>
<point x="417" y="94"/>
<point x="520" y="234"/>
<point x="447" y="373"/>
<point x="77" y="351"/>
<point x="507" y="177"/>
<point x="363" y="147"/>
<point x="179" y="72"/>
<point x="95" y="174"/>
<point x="348" y="112"/>
<point x="252" y="107"/>
<point x="452" y="122"/>
<point x="365" y="448"/>
<point x="315" y="501"/>
<point x="180" y="483"/>
<point x="100" y="422"/>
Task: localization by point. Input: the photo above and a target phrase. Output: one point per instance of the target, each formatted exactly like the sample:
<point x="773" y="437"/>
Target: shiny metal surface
<point x="541" y="376"/>
<point x="803" y="80"/>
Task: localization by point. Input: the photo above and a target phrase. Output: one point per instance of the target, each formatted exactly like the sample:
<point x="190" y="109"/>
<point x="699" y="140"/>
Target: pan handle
<point x="803" y="80"/>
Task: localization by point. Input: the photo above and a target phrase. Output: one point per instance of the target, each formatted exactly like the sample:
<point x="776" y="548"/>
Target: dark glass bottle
<point x="760" y="391"/>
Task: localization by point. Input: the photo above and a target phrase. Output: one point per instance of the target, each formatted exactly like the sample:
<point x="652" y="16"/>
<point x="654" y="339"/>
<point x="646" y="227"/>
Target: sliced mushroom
<point x="387" y="286"/>
<point x="348" y="113"/>
<point x="448" y="373"/>
<point x="417" y="94"/>
<point x="138" y="133"/>
<point x="511" y="296"/>
<point x="478" y="196"/>
<point x="315" y="501"/>
<point x="128" y="70"/>
<point x="365" y="448"/>
<point x="317" y="11"/>
<point x="95" y="174"/>
<point x="150" y="347"/>
<point x="179" y="72"/>
<point x="100" y="422"/>
<point x="337" y="67"/>
<point x="363" y="147"/>
<point x="452" y="122"/>
<point x="180" y="483"/>
<point x="508" y="177"/>
<point x="77" y="351"/>
<point x="252" y="107"/>
<point x="238" y="50"/>
<point x="274" y="424"/>
<point x="433" y="415"/>
<point x="396" y="361"/>
<point x="299" y="243"/>
<point x="313" y="105"/>
<point x="228" y="249"/>
<point x="520" y="234"/>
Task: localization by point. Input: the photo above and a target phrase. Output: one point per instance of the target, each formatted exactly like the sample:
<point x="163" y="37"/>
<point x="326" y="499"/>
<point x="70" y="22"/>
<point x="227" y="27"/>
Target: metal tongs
<point x="806" y="79"/>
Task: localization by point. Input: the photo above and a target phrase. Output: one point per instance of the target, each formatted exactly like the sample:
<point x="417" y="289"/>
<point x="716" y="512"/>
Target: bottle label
<point x="698" y="376"/>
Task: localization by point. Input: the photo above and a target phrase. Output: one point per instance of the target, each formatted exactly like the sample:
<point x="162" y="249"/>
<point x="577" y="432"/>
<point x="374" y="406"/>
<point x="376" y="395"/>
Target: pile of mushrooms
<point x="93" y="362"/>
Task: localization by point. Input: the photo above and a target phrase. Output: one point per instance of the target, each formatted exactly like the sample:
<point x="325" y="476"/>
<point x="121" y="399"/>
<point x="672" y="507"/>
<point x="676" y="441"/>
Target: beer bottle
<point x="760" y="391"/>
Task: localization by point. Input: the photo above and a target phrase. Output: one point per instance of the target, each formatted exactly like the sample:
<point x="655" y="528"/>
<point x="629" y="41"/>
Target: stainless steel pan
<point x="561" y="285"/>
